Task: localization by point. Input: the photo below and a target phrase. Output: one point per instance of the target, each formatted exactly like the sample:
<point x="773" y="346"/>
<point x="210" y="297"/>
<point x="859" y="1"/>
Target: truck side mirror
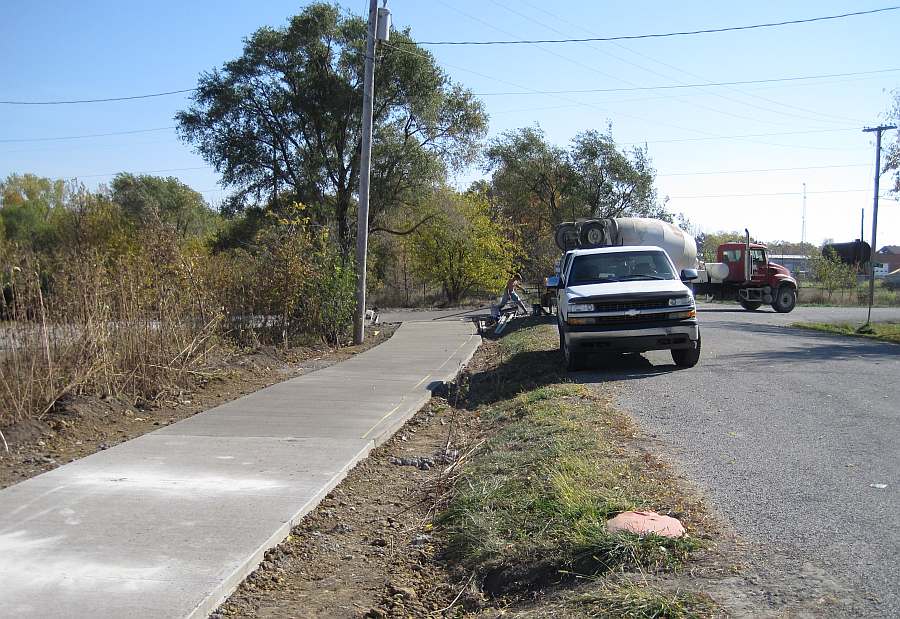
<point x="553" y="281"/>
<point x="689" y="275"/>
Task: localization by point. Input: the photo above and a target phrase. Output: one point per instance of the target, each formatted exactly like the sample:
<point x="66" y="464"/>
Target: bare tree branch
<point x="401" y="232"/>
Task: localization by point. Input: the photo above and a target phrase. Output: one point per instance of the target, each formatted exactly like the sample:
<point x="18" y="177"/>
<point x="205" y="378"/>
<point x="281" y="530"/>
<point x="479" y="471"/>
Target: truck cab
<point x="744" y="273"/>
<point x="625" y="299"/>
<point x="732" y="254"/>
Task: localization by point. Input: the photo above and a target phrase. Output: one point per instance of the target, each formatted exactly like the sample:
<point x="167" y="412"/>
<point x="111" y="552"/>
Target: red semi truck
<point x="743" y="272"/>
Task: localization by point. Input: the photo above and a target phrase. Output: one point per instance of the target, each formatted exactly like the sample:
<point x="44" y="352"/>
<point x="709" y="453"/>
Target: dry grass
<point x="884" y="331"/>
<point x="530" y="506"/>
<point x="629" y="600"/>
<point x="134" y="327"/>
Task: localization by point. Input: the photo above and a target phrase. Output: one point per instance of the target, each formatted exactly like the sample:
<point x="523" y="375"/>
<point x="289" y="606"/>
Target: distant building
<point x="797" y="264"/>
<point x="889" y="256"/>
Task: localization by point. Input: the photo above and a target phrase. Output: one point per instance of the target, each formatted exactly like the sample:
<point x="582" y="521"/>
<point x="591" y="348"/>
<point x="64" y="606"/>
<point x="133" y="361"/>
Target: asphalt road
<point x="785" y="430"/>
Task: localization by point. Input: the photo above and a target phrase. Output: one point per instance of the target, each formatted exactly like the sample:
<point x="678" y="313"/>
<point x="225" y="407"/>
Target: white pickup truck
<point x="625" y="299"/>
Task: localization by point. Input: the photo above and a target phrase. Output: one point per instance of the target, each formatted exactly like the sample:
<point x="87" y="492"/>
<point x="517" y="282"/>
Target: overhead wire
<point x="606" y="52"/>
<point x="772" y="194"/>
<point x="825" y="117"/>
<point x="80" y="176"/>
<point x="593" y="69"/>
<point x="761" y="170"/>
<point x="104" y="100"/>
<point x="659" y="35"/>
<point x="694" y="85"/>
<point x="526" y="88"/>
<point x="586" y="104"/>
<point x="80" y="137"/>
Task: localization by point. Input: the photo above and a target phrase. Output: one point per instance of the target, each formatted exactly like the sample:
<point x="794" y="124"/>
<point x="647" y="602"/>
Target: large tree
<point x="608" y="182"/>
<point x="149" y="199"/>
<point x="538" y="185"/>
<point x="283" y="122"/>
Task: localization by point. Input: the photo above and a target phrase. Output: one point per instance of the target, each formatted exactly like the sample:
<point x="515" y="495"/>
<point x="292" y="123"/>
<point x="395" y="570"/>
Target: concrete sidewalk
<point x="168" y="524"/>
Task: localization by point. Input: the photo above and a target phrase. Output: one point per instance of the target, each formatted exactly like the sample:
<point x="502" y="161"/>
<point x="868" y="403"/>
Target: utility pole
<point x="803" y="226"/>
<point x="365" y="163"/>
<point x="878" y="131"/>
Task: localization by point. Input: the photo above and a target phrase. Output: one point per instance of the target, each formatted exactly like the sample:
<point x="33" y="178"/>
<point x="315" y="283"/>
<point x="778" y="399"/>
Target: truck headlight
<point x="681" y="301"/>
<point x="581" y="307"/>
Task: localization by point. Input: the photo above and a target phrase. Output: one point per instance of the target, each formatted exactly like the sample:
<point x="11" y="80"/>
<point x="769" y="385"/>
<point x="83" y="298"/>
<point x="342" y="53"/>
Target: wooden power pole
<point x="878" y="131"/>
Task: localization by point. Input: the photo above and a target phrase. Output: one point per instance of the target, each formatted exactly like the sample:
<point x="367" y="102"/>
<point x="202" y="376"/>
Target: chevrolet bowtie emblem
<point x="632" y="313"/>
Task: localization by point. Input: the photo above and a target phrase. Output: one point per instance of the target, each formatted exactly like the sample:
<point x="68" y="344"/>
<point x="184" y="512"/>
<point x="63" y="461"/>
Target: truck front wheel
<point x="750" y="306"/>
<point x="785" y="299"/>
<point x="572" y="359"/>
<point x="687" y="357"/>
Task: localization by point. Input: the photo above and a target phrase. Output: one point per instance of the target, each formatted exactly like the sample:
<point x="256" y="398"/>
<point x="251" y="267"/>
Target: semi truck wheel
<point x="687" y="357"/>
<point x="750" y="306"/>
<point x="785" y="299"/>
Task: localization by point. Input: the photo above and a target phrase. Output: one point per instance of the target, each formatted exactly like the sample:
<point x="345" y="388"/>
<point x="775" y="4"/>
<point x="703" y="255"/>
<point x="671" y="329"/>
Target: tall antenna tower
<point x="803" y="228"/>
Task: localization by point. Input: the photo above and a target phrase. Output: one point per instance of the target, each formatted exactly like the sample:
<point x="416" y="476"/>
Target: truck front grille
<point x="622" y="306"/>
<point x="603" y="320"/>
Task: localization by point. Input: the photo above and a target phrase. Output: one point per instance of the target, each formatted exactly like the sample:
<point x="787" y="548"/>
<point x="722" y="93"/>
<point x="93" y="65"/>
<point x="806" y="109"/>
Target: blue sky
<point x="57" y="49"/>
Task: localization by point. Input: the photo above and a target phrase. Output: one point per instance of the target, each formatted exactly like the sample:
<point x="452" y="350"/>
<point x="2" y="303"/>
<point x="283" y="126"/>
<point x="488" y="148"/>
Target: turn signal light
<point x="681" y="315"/>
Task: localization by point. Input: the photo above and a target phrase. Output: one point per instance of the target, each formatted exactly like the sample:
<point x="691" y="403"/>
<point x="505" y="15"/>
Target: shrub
<point x="289" y="282"/>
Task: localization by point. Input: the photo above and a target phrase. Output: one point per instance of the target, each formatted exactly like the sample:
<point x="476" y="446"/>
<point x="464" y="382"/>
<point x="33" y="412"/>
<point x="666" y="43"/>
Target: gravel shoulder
<point x="793" y="434"/>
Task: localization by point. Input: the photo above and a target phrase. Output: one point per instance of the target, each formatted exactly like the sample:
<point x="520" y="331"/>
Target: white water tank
<point x="681" y="247"/>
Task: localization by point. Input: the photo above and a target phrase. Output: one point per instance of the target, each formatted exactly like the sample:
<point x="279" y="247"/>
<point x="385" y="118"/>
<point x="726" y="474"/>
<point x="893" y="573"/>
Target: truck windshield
<point x="619" y="267"/>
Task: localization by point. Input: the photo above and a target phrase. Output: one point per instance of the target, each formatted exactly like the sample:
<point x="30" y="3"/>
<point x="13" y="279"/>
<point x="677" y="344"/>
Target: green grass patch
<point x="884" y="331"/>
<point x="530" y="507"/>
<point x="634" y="601"/>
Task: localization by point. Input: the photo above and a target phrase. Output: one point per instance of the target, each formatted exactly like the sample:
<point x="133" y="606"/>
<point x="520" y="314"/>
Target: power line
<point x="79" y="137"/>
<point x="129" y="98"/>
<point x="670" y="66"/>
<point x="764" y="195"/>
<point x="80" y="176"/>
<point x="590" y="67"/>
<point x="696" y="85"/>
<point x="586" y="104"/>
<point x="663" y="34"/>
<point x="793" y="169"/>
<point x="515" y="85"/>
<point x="741" y="136"/>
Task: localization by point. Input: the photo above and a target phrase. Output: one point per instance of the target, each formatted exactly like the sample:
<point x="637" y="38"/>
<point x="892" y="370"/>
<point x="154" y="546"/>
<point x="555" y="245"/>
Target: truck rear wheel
<point x="785" y="299"/>
<point x="750" y="306"/>
<point x="687" y="357"/>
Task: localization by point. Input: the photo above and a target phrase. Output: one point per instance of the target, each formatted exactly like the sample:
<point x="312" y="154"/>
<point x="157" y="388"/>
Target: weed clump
<point x="628" y="600"/>
<point x="531" y="507"/>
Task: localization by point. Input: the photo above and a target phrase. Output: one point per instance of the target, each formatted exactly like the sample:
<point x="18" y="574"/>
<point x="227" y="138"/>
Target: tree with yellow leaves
<point x="463" y="248"/>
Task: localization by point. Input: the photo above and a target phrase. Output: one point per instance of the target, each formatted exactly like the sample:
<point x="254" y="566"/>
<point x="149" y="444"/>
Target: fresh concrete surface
<point x="429" y="315"/>
<point x="168" y="524"/>
<point x="786" y="430"/>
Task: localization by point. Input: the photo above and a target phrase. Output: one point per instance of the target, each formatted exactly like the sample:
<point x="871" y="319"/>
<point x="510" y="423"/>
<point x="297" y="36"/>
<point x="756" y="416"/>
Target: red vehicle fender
<point x="779" y="279"/>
